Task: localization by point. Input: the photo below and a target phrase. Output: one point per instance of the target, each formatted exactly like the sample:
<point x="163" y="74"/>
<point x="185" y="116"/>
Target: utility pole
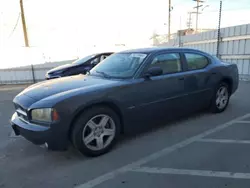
<point x="24" y="25"/>
<point x="197" y="12"/>
<point x="189" y="21"/>
<point x="169" y="18"/>
<point x="180" y="32"/>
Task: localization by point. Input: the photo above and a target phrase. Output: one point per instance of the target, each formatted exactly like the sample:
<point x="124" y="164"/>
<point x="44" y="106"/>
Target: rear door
<point x="196" y="81"/>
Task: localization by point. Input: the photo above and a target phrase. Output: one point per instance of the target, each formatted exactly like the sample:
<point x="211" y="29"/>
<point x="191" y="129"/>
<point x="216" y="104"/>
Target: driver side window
<point x="169" y="63"/>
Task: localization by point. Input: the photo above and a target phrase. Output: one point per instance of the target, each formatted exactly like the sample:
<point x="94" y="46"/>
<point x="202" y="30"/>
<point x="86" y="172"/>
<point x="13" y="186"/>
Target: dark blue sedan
<point x="126" y="92"/>
<point x="80" y="66"/>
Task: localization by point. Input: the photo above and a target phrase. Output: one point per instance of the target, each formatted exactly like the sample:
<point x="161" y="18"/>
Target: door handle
<point x="181" y="78"/>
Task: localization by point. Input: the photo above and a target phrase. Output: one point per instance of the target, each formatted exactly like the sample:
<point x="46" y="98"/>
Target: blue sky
<point x="71" y="23"/>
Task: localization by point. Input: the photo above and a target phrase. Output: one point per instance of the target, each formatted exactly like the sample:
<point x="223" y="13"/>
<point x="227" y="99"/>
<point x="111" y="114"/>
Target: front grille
<point x="21" y="112"/>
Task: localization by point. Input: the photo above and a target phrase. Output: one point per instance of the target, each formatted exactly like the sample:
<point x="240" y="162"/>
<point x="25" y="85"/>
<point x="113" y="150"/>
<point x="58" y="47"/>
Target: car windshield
<point x="82" y="60"/>
<point x="120" y="65"/>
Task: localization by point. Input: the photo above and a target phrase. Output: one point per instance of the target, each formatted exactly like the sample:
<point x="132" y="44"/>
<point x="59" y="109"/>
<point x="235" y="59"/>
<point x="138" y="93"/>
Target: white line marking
<point x="242" y="122"/>
<point x="6" y="143"/>
<point x="114" y="173"/>
<point x="2" y="157"/>
<point x="227" y="141"/>
<point x="206" y="173"/>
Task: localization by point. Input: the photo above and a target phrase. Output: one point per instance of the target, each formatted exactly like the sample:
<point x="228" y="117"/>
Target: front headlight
<point x="43" y="115"/>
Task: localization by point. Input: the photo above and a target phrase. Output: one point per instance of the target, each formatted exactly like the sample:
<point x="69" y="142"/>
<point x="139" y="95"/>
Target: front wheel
<point x="96" y="131"/>
<point x="220" y="98"/>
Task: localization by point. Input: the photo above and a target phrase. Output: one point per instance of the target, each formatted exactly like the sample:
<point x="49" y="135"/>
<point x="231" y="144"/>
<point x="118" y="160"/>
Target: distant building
<point x="160" y="39"/>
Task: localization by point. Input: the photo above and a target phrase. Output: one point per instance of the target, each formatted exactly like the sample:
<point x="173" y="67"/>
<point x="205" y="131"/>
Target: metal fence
<point x="27" y="74"/>
<point x="234" y="46"/>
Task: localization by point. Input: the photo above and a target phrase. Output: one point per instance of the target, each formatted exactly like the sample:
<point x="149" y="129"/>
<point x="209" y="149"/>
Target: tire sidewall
<point x="80" y="123"/>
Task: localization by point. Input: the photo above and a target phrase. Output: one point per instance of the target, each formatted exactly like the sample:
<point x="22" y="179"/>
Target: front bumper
<point x="38" y="134"/>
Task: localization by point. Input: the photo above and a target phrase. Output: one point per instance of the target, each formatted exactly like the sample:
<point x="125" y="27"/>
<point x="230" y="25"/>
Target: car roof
<point x="98" y="53"/>
<point x="158" y="49"/>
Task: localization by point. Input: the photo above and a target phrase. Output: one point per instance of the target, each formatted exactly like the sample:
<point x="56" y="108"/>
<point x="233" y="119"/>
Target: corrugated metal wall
<point x="24" y="74"/>
<point x="234" y="46"/>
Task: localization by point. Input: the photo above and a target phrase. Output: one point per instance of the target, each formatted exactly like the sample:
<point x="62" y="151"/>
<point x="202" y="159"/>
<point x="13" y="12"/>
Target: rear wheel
<point x="220" y="98"/>
<point x="95" y="132"/>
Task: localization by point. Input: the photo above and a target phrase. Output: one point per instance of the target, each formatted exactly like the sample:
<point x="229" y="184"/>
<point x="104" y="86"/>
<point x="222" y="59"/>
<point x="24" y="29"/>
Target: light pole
<point x="169" y="18"/>
<point x="203" y="10"/>
<point x="219" y="35"/>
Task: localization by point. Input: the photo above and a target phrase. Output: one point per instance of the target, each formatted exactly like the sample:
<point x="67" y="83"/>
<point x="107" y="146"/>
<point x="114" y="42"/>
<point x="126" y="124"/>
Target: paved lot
<point x="203" y="150"/>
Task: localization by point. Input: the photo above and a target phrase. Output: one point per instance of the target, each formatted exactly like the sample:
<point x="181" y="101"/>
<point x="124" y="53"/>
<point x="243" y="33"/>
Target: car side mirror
<point x="153" y="71"/>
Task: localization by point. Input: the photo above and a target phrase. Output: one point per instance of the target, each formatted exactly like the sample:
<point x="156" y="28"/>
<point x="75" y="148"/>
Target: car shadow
<point x="73" y="155"/>
<point x="166" y="124"/>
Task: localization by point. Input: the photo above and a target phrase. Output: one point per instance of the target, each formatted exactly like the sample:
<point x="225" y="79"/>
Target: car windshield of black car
<point x="82" y="60"/>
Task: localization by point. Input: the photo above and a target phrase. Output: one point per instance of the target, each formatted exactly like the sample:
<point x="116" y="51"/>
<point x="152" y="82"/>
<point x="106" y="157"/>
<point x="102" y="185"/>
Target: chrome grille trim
<point x="19" y="111"/>
<point x="25" y="121"/>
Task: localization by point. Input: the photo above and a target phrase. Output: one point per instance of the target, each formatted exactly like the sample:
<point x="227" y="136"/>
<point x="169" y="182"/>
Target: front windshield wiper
<point x="103" y="73"/>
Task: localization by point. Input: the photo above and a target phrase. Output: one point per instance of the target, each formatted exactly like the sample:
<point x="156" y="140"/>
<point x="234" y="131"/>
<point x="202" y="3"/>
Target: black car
<point x="80" y="66"/>
<point x="128" y="91"/>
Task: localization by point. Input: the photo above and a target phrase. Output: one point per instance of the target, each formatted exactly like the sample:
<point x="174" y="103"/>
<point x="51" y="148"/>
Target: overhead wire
<point x="13" y="30"/>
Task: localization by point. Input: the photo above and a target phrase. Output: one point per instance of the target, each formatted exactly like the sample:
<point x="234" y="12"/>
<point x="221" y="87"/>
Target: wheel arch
<point x="109" y="104"/>
<point x="229" y="82"/>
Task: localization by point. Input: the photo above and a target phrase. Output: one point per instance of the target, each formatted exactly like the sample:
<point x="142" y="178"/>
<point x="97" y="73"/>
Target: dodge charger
<point x="127" y="91"/>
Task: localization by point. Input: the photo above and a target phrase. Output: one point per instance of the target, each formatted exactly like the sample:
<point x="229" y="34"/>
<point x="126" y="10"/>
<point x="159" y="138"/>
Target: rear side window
<point x="196" y="61"/>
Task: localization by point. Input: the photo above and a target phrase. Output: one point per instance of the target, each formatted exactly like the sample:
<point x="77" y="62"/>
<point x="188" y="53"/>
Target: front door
<point x="158" y="97"/>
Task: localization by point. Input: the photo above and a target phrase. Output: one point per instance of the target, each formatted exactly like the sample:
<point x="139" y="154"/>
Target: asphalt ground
<point x="201" y="150"/>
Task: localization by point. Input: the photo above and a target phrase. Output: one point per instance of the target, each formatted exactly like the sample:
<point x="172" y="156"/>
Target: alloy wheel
<point x="222" y="97"/>
<point x="99" y="132"/>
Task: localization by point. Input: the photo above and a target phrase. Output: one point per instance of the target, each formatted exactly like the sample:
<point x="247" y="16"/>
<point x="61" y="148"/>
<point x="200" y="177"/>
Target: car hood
<point x="60" y="68"/>
<point x="51" y="87"/>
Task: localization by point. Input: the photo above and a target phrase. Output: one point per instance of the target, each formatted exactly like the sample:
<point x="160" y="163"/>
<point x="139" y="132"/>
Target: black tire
<point x="81" y="122"/>
<point x="213" y="106"/>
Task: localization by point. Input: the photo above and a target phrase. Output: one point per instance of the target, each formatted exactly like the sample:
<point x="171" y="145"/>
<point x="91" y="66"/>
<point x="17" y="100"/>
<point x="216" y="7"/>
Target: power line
<point x="17" y="21"/>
